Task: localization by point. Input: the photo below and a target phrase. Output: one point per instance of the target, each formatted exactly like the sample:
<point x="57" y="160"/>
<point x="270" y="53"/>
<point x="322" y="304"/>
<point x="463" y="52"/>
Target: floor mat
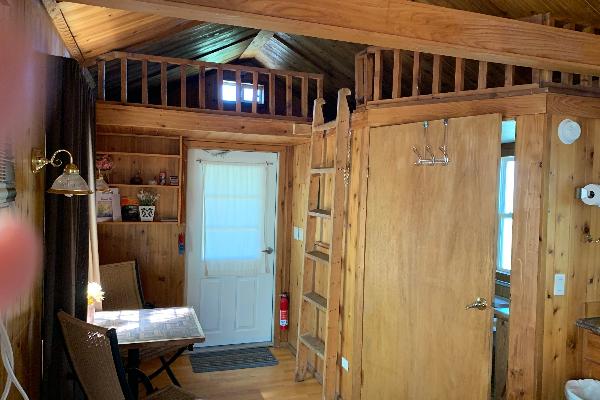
<point x="225" y="360"/>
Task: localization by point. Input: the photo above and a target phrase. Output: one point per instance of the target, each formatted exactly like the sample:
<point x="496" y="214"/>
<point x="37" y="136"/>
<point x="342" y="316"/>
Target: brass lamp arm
<point x="57" y="162"/>
<point x="38" y="161"/>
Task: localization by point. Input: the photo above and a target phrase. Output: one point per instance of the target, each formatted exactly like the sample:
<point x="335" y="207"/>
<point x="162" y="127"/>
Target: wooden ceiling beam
<point x="61" y="25"/>
<point x="398" y="24"/>
<point x="257" y="44"/>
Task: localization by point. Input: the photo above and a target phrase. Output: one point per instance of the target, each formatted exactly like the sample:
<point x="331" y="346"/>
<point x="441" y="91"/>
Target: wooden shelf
<point x="122" y="153"/>
<point x="127" y="185"/>
<point x="317" y="300"/>
<point x="137" y="223"/>
<point x="315" y="344"/>
<point x="318" y="256"/>
<point x="320" y="213"/>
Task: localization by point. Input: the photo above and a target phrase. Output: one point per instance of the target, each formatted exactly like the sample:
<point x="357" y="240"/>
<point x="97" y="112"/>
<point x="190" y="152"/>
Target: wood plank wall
<point x="565" y="251"/>
<point x="35" y="33"/>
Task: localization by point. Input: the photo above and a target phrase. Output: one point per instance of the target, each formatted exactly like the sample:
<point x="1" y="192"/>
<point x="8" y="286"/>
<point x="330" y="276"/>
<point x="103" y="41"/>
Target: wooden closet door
<point x="430" y="251"/>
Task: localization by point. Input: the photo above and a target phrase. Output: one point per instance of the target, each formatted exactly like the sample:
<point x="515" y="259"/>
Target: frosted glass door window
<point x="234" y="218"/>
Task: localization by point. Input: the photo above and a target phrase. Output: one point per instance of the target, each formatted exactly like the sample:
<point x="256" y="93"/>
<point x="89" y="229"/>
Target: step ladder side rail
<point x="308" y="265"/>
<point x="336" y="249"/>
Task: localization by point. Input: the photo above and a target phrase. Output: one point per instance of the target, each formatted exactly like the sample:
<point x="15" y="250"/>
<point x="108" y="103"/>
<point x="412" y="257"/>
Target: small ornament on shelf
<point x="129" y="209"/>
<point x="148" y="200"/>
<point x="137" y="179"/>
<point x="174" y="180"/>
<point x="162" y="178"/>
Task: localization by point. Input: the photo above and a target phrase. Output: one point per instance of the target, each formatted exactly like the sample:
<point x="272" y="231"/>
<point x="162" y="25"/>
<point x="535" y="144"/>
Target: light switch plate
<point x="300" y="234"/>
<point x="345" y="364"/>
<point x="295" y="233"/>
<point x="559" y="284"/>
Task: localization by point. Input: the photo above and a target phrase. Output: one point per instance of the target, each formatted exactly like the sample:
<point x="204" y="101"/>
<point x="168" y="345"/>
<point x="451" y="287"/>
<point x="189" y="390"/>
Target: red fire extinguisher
<point x="284" y="305"/>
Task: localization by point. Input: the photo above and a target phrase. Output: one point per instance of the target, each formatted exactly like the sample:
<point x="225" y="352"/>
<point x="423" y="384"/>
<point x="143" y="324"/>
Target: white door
<point x="230" y="251"/>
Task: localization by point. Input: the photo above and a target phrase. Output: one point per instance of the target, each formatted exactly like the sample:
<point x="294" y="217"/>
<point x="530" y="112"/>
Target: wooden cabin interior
<point x="334" y="200"/>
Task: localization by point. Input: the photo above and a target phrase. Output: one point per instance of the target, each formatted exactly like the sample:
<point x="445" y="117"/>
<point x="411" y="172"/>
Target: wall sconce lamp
<point x="69" y="182"/>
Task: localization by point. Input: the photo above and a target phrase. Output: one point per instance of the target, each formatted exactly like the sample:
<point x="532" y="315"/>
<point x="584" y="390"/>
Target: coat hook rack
<point x="430" y="157"/>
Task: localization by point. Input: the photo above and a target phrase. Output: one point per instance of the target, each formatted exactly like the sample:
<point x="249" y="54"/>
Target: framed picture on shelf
<point x="104" y="206"/>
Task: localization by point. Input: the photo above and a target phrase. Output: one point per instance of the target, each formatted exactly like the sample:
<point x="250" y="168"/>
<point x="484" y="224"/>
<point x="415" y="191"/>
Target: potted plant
<point x="147" y="206"/>
<point x="104" y="164"/>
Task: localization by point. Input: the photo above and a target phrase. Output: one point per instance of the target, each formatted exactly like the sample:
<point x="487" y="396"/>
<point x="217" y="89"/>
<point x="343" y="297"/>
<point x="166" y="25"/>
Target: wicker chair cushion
<point x="120" y="284"/>
<point x="172" y="393"/>
<point x="90" y="352"/>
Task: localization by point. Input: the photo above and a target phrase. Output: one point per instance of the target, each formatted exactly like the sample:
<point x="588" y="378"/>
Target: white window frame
<point x="503" y="216"/>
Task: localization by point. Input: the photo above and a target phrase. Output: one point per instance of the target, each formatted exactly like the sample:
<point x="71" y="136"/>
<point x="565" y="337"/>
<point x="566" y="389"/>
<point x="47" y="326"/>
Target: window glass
<point x="505" y="212"/>
<point x="230" y="92"/>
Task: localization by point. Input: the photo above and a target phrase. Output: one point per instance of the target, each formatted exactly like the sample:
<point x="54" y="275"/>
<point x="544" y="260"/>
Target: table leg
<point x="133" y="363"/>
<point x="166" y="366"/>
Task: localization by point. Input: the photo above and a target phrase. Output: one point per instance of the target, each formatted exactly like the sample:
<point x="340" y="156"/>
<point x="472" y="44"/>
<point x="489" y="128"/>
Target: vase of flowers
<point x="94" y="295"/>
<point x="147" y="207"/>
<point x="104" y="164"/>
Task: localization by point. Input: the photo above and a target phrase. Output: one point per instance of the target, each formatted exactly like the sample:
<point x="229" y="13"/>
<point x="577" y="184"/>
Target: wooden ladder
<point x="327" y="180"/>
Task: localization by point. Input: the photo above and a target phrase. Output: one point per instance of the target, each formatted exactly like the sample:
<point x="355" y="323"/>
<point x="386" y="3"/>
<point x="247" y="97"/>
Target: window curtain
<point x="70" y="123"/>
<point x="233" y="220"/>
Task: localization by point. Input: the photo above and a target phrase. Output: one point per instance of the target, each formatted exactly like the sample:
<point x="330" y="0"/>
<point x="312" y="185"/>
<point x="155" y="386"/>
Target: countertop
<point x="591" y="324"/>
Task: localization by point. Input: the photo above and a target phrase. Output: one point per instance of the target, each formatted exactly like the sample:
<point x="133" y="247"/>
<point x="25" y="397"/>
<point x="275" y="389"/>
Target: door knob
<point x="268" y="250"/>
<point x="480" y="303"/>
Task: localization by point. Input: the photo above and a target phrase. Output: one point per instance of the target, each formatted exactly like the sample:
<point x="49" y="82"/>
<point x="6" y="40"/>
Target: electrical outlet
<point x="559" y="284"/>
<point x="345" y="364"/>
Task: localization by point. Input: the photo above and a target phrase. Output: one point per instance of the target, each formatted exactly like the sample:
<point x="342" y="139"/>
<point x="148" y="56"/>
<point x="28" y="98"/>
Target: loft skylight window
<point x="247" y="92"/>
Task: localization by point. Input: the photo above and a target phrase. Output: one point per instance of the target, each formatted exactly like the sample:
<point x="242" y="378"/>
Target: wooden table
<point x="151" y="328"/>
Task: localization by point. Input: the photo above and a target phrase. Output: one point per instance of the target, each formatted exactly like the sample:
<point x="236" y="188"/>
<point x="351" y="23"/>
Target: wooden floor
<point x="244" y="384"/>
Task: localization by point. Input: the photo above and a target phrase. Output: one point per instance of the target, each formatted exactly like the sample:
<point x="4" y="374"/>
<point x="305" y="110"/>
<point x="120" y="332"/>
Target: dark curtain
<point x="70" y="123"/>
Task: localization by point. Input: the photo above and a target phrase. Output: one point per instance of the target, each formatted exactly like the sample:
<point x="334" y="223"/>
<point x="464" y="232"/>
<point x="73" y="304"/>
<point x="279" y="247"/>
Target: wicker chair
<point x="123" y="291"/>
<point x="121" y="285"/>
<point x="94" y="356"/>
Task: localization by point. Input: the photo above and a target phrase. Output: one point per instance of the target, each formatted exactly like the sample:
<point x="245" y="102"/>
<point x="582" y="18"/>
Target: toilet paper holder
<point x="589" y="194"/>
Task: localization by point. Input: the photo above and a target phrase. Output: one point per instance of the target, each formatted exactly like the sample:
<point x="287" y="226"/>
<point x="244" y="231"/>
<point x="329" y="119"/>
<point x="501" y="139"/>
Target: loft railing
<point x="385" y="75"/>
<point x="179" y="83"/>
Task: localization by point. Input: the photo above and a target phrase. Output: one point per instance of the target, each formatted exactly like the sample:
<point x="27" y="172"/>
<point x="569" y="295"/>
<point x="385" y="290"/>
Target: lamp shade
<point x="101" y="185"/>
<point x="70" y="183"/>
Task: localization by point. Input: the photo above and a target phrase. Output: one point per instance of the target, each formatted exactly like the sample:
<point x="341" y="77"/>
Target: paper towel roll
<point x="590" y="195"/>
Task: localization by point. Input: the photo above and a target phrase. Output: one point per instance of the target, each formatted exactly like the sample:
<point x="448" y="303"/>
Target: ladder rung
<point x="318" y="256"/>
<point x="314" y="298"/>
<point x="322" y="170"/>
<point x="315" y="344"/>
<point x="318" y="212"/>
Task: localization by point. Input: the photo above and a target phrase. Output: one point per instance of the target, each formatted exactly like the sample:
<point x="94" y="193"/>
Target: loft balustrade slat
<point x="163" y="84"/>
<point x="272" y="93"/>
<point x="436" y="84"/>
<point x="482" y="75"/>
<point x="416" y="77"/>
<point x="101" y="80"/>
<point x="509" y="73"/>
<point x="123" y="80"/>
<point x="238" y="91"/>
<point x="397" y="75"/>
<point x="304" y="96"/>
<point x="144" y="82"/>
<point x="220" y="88"/>
<point x="254" y="92"/>
<point x="201" y="87"/>
<point x="288" y="95"/>
<point x="377" y="85"/>
<point x="183" y="85"/>
<point x="459" y="75"/>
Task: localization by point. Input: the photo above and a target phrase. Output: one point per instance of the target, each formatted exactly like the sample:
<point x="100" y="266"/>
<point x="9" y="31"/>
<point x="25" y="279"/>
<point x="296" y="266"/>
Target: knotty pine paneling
<point x="25" y="32"/>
